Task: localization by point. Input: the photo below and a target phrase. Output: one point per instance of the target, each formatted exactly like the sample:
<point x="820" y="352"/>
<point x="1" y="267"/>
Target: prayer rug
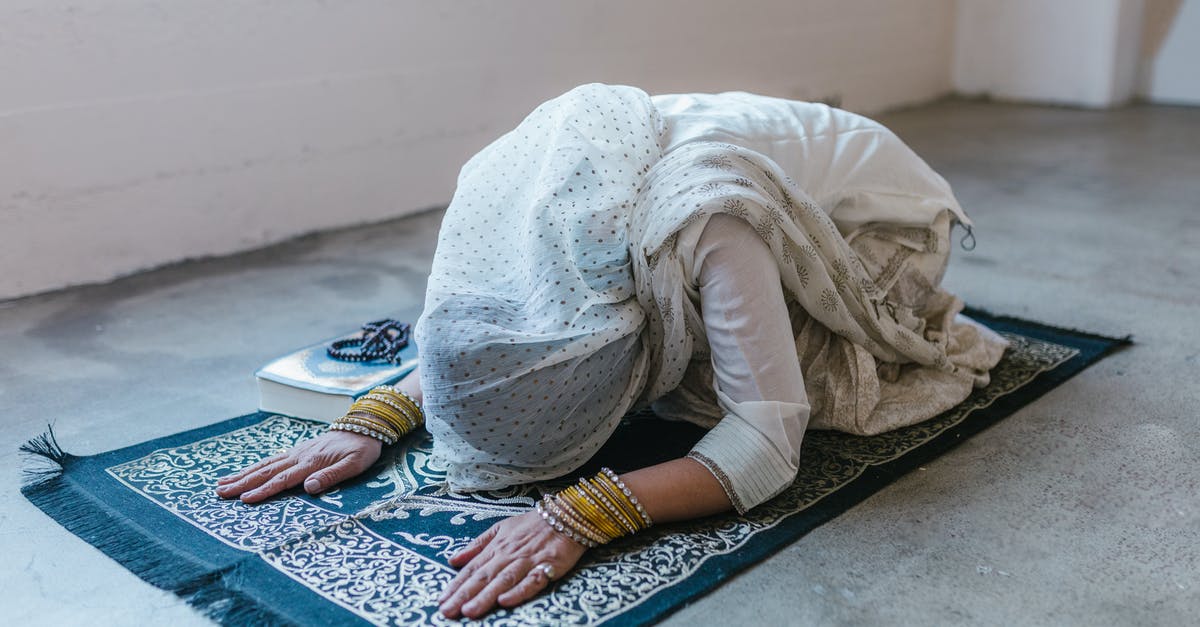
<point x="374" y="551"/>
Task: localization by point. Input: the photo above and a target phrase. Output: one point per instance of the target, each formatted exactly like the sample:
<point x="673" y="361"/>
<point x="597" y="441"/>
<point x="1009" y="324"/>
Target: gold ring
<point x="546" y="570"/>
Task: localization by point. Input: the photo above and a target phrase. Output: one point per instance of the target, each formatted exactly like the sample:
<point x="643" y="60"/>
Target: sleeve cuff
<point x="748" y="465"/>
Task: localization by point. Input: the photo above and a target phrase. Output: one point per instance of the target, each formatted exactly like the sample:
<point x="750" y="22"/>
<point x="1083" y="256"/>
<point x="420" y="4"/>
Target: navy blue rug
<point x="374" y="551"/>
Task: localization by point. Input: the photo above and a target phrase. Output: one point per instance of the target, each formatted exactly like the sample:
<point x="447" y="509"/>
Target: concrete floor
<point x="1082" y="508"/>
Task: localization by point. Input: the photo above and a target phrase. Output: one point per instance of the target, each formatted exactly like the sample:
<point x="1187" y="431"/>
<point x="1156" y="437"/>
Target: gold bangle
<point x="631" y="522"/>
<point x="401" y="397"/>
<point x="371" y="424"/>
<point x="382" y="411"/>
<point x="367" y="416"/>
<point x="629" y="512"/>
<point x="567" y="500"/>
<point x="396" y="396"/>
<point x="373" y="403"/>
<point x="595" y="514"/>
<point x="400" y="403"/>
<point x="409" y="407"/>
<point x="391" y="389"/>
<point x="614" y="513"/>
<point x="405" y="399"/>
<point x="613" y="504"/>
<point x="628" y="494"/>
<point x="588" y="511"/>
<point x="563" y="529"/>
<point x="595" y="511"/>
<point x="573" y="520"/>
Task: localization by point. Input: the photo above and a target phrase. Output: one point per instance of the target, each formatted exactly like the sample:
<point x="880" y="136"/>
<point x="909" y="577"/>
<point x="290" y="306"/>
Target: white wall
<point x="139" y="132"/>
<point x="1077" y="52"/>
<point x="1171" y="67"/>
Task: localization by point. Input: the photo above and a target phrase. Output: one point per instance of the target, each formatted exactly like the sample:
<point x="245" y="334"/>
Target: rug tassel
<point x="213" y="596"/>
<point x="46" y="459"/>
<point x="116" y="536"/>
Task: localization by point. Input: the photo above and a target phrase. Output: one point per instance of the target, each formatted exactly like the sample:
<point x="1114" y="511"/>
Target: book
<point x="310" y="384"/>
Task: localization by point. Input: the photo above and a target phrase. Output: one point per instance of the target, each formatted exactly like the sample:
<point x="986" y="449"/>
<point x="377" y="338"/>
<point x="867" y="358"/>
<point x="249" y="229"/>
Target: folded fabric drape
<point x="868" y="299"/>
<point x="563" y="289"/>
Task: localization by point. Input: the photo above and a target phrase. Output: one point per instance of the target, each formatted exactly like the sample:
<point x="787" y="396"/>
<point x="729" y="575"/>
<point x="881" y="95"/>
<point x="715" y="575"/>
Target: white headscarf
<point x="530" y="340"/>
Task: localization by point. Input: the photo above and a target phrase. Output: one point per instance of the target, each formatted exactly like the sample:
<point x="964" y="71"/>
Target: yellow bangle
<point x="612" y="504"/>
<point x="595" y="511"/>
<point x="371" y="424"/>
<point x="384" y="412"/>
<point x="401" y="398"/>
<point x="403" y="417"/>
<point x="581" y="502"/>
<point x="628" y="495"/>
<point x="572" y="519"/>
<point x="398" y="401"/>
<point x="558" y="526"/>
<point x="619" y="496"/>
<point x="602" y="500"/>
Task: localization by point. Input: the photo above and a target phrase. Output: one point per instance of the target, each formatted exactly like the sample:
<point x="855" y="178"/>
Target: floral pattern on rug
<point x="378" y="548"/>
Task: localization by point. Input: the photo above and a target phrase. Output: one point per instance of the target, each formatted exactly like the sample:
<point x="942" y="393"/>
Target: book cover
<point x="310" y="384"/>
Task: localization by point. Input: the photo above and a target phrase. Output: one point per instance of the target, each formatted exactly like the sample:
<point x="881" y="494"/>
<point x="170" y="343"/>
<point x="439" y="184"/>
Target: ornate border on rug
<point x="335" y="551"/>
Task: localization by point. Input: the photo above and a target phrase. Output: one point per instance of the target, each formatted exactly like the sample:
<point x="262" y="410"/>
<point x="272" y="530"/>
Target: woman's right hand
<point x="319" y="463"/>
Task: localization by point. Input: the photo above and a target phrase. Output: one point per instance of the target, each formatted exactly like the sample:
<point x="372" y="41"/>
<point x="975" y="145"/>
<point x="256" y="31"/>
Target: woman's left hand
<point x="507" y="566"/>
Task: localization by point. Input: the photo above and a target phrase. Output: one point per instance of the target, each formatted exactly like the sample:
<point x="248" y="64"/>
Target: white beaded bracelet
<point x="343" y="426"/>
<point x="624" y="490"/>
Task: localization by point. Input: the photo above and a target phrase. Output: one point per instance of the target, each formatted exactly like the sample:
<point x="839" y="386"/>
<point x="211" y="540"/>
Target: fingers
<point x="469" y="582"/>
<point x="471" y="550"/>
<point x="327" y="478"/>
<point x="252" y="480"/>
<point x="283" y="480"/>
<point x="508" y="578"/>
<point x="511" y="563"/>
<point x="468" y="555"/>
<point x="534" y="582"/>
<point x="249" y="469"/>
<point x="324" y="461"/>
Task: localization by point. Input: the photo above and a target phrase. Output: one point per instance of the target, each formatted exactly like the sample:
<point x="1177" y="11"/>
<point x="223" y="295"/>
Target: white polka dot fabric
<point x="563" y="290"/>
<point x="530" y="340"/>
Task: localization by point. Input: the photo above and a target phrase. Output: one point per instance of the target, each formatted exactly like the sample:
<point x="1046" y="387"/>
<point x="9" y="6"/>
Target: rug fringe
<point x="138" y="550"/>
<point x="45" y="459"/>
<point x="116" y="536"/>
<point x="47" y="485"/>
<point x="213" y="596"/>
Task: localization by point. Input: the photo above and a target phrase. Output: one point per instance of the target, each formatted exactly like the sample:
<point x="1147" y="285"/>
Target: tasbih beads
<point x="382" y="339"/>
<point x="595" y="511"/>
<point x="384" y="413"/>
